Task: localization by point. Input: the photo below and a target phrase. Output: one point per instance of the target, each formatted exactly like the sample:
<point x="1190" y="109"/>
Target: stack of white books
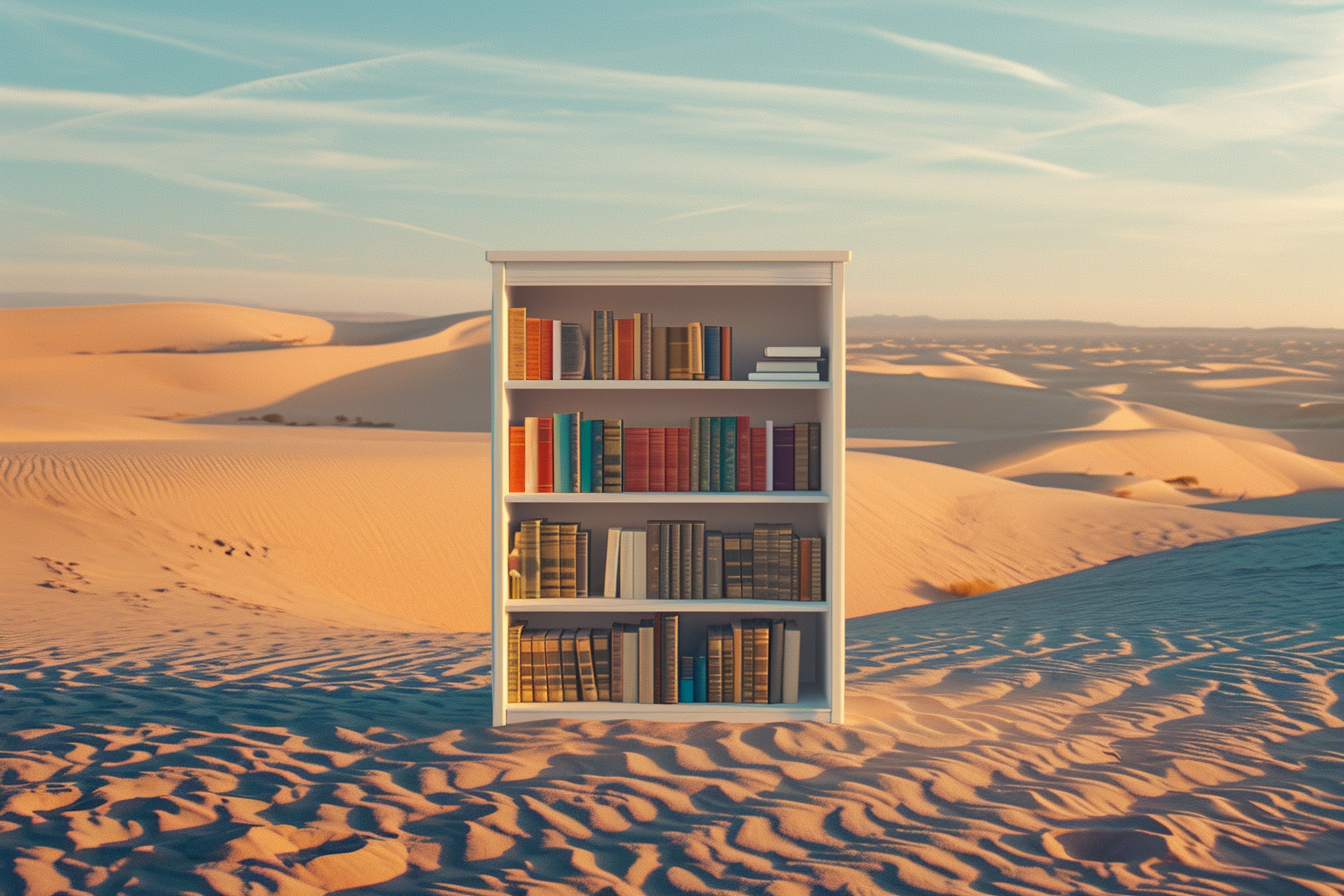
<point x="790" y="363"/>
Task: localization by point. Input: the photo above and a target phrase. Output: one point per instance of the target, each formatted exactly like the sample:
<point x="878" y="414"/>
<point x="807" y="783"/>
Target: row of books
<point x="745" y="661"/>
<point x="668" y="560"/>
<point x="624" y="348"/>
<point x="566" y="453"/>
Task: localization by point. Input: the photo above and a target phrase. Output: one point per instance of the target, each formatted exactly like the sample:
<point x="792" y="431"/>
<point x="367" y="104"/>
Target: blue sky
<point x="1136" y="162"/>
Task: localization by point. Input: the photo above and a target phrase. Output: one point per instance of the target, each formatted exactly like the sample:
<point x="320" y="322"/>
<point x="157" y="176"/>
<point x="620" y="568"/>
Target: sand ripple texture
<point x="1167" y="724"/>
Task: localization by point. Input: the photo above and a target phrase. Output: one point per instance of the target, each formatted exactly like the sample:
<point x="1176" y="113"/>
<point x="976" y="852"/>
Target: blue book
<point x="564" y="461"/>
<point x="586" y="455"/>
<point x="713" y="353"/>
<point x="701" y="678"/>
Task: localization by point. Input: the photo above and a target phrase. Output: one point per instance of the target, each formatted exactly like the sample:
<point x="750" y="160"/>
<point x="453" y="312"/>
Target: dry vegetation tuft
<point x="970" y="587"/>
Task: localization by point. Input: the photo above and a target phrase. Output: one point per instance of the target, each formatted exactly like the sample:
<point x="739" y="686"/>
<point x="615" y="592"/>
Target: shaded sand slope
<point x="1165" y="725"/>
<point x="914" y="528"/>
<point x="372" y="528"/>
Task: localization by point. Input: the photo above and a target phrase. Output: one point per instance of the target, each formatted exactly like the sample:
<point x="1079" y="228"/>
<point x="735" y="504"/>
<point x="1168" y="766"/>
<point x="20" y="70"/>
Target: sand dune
<point x="247" y="658"/>
<point x="1164" y="725"/>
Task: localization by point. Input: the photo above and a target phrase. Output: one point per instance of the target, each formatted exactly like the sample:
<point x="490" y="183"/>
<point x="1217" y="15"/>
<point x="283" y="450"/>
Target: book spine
<point x="698" y="560"/>
<point x="625" y="348"/>
<point x="525" y="667"/>
<point x="645" y="337"/>
<point x="678" y="353"/>
<point x="555" y="678"/>
<point x="581" y="547"/>
<point x="735" y="666"/>
<point x="533" y="330"/>
<point x="616" y="685"/>
<point x="713" y="353"/>
<point x="636" y="469"/>
<point x="695" y="338"/>
<point x="728" y="476"/>
<point x="659" y="353"/>
<point x="800" y="457"/>
<point x="598" y="455"/>
<point x="744" y="454"/>
<point x="658" y="459"/>
<point x="515" y="649"/>
<point x="776" y="686"/>
<point x="569" y="559"/>
<point x="814" y="456"/>
<point x="714" y="664"/>
<point x="653" y="552"/>
<point x="793" y="650"/>
<point x="714" y="565"/>
<point x="726" y="351"/>
<point x="701" y="677"/>
<point x="648" y="678"/>
<point x="561" y="460"/>
<point x="569" y="665"/>
<point x="671" y="653"/>
<point x="683" y="459"/>
<point x="517" y="459"/>
<point x="545" y="455"/>
<point x="769" y="455"/>
<point x="630" y="665"/>
<point x="517" y="343"/>
<point x="573" y="352"/>
<point x="783" y="458"/>
<point x="583" y="642"/>
<point x="531" y="461"/>
<point x="613" y="449"/>
<point x="548" y="348"/>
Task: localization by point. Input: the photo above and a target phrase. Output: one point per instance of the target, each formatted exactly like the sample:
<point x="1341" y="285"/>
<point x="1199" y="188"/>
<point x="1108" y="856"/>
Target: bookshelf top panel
<point x="686" y="385"/>
<point x="507" y="255"/>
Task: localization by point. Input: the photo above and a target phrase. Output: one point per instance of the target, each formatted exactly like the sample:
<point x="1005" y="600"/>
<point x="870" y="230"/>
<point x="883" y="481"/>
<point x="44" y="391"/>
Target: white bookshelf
<point x="768" y="298"/>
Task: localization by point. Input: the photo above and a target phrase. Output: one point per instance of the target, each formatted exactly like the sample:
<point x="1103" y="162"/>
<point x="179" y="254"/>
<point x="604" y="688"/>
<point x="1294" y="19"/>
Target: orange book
<point x="545" y="365"/>
<point x="517" y="459"/>
<point x="726" y="353"/>
<point x="533" y="348"/>
<point x="625" y="348"/>
<point x="517" y="343"/>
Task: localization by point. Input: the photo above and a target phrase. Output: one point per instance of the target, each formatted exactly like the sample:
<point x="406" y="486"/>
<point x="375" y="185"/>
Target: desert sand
<point x="245" y="584"/>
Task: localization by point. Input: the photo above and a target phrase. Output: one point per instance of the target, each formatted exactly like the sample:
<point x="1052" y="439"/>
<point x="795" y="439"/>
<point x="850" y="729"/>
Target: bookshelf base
<point x="811" y="707"/>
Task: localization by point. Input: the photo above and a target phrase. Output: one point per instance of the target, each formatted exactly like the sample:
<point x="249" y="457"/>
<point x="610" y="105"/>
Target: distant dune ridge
<point x="246" y="570"/>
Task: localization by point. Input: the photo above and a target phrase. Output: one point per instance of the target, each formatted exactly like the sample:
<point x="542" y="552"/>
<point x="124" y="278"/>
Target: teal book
<point x="586" y="455"/>
<point x="561" y="442"/>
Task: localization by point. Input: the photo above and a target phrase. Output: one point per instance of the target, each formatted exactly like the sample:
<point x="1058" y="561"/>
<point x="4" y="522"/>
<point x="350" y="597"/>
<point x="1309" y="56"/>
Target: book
<point x="626" y="665"/>
<point x="759" y="376"/>
<point x="747" y="668"/>
<point x="695" y="337"/>
<point x="517" y="343"/>
<point x="714" y="664"/>
<point x="625" y="348"/>
<point x="800" y="457"/>
<point x="714" y="565"/>
<point x="788" y="366"/>
<point x="700" y="673"/>
<point x="793" y="351"/>
<point x="583" y="642"/>
<point x="713" y="352"/>
<point x="550" y="560"/>
<point x="602" y="354"/>
<point x="555" y="681"/>
<point x="517" y="459"/>
<point x="733" y="663"/>
<point x="531" y="445"/>
<point x="569" y="665"/>
<point x="613" y="449"/>
<point x="545" y="455"/>
<point x="529" y="549"/>
<point x="658" y="353"/>
<point x="611" y="587"/>
<point x="647" y="661"/>
<point x="525" y="666"/>
<point x="658" y="459"/>
<point x="568" y="534"/>
<point x="644" y="346"/>
<point x="562" y="447"/>
<point x="792" y="662"/>
<point x="814" y="456"/>
<point x="678" y="353"/>
<point x="601" y="638"/>
<point x="686" y="680"/>
<point x="670" y="654"/>
<point x="769" y="455"/>
<point x="581" y="547"/>
<point x="653" y="551"/>
<point x="744" y="454"/>
<point x="726" y="352"/>
<point x="776" y="686"/>
<point x="573" y="352"/>
<point x="683" y="459"/>
<point x="516" y="626"/>
<point x="533" y="354"/>
<point x="697" y="560"/>
<point x="783" y="459"/>
<point x="637" y="460"/>
<point x="760" y="658"/>
<point x="547" y="348"/>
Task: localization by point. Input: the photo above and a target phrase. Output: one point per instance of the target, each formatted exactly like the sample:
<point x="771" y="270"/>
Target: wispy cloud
<point x="25" y="11"/>
<point x="970" y="58"/>
<point x="705" y="211"/>
<point x="425" y="230"/>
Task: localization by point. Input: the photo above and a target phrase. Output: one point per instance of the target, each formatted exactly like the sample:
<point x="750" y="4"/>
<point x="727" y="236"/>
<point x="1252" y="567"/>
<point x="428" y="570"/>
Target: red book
<point x="657" y="459"/>
<point x="743" y="453"/>
<point x="726" y="354"/>
<point x="545" y="456"/>
<point x="757" y="458"/>
<point x="683" y="459"/>
<point x="547" y="348"/>
<point x="533" y="348"/>
<point x="671" y="460"/>
<point x="636" y="477"/>
<point x="625" y="348"/>
<point x="518" y="459"/>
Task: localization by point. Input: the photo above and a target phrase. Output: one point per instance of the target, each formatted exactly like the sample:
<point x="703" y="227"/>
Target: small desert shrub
<point x="970" y="587"/>
<point x="1123" y="492"/>
<point x="273" y="418"/>
<point x="1186" y="481"/>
